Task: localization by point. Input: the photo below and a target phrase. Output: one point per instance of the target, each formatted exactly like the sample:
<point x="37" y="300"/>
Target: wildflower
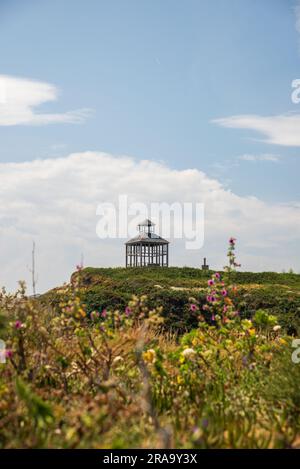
<point x="81" y="312"/>
<point x="189" y="353"/>
<point x="179" y="379"/>
<point x="224" y="292"/>
<point x="128" y="311"/>
<point x="247" y="324"/>
<point x="18" y="324"/>
<point x="149" y="356"/>
<point x="197" y="435"/>
<point x="104" y="313"/>
<point x="117" y="360"/>
<point x="232" y="241"/>
<point x="193" y="307"/>
<point x="8" y="353"/>
<point x="211" y="282"/>
<point x="217" y="275"/>
<point x="276" y="328"/>
<point x="213" y="317"/>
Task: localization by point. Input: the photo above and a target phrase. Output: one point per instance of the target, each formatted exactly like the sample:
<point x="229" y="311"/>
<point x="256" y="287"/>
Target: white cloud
<point x="282" y="129"/>
<point x="19" y="98"/>
<point x="278" y="130"/>
<point x="264" y="157"/>
<point x="54" y="202"/>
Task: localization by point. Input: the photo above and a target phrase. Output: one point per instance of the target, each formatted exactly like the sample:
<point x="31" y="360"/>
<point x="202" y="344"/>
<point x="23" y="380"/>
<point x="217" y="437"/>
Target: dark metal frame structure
<point x="147" y="249"/>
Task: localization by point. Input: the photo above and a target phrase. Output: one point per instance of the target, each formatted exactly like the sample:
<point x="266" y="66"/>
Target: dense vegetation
<point x="193" y="359"/>
<point x="171" y="288"/>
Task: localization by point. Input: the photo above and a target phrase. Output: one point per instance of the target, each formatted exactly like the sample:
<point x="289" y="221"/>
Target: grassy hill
<point x="171" y="288"/>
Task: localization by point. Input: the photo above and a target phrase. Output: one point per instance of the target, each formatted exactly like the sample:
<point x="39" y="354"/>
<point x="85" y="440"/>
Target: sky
<point x="161" y="100"/>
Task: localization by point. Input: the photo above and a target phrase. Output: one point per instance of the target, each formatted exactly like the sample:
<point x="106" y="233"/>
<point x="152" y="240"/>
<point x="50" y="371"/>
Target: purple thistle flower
<point x="8" y="353"/>
<point x="18" y="324"/>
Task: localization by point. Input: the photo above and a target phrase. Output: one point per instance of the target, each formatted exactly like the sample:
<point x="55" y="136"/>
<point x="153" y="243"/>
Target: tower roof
<point x="146" y="222"/>
<point x="147" y="238"/>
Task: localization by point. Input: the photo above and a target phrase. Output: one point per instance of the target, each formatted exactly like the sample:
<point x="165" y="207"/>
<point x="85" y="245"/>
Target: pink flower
<point x="127" y="311"/>
<point x="8" y="353"/>
<point x="218" y="276"/>
<point x="232" y="241"/>
<point x="225" y="309"/>
<point x="104" y="313"/>
<point x="193" y="307"/>
<point x="211" y="282"/>
<point x="211" y="298"/>
<point x="213" y="317"/>
<point x="18" y="324"/>
<point x="224" y="292"/>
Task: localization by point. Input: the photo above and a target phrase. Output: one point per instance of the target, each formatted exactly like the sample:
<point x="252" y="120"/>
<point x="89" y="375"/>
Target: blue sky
<point x="154" y="75"/>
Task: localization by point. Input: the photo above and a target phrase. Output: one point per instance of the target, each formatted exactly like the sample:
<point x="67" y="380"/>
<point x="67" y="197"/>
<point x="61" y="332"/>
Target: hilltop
<point x="171" y="288"/>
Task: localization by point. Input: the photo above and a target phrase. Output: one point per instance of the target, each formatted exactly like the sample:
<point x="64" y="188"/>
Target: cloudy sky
<point x="164" y="101"/>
